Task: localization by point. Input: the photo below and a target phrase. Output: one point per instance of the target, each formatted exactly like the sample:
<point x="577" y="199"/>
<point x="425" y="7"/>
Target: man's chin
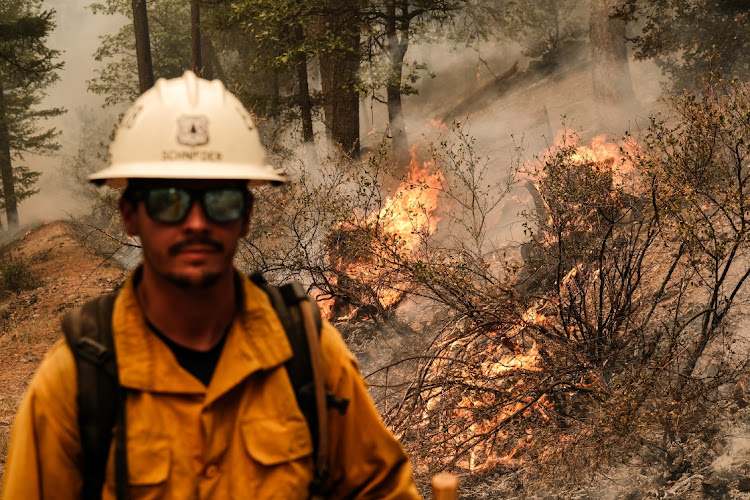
<point x="199" y="281"/>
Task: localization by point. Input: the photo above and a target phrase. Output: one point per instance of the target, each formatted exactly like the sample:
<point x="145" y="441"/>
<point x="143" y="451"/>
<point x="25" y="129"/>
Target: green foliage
<point x="273" y="25"/>
<point x="27" y="68"/>
<point x="687" y="39"/>
<point x="16" y="275"/>
<point x="24" y="181"/>
<point x="169" y="30"/>
<point x="23" y="53"/>
<point x="278" y="32"/>
<point x="543" y="27"/>
<point x="389" y="28"/>
<point x="267" y="38"/>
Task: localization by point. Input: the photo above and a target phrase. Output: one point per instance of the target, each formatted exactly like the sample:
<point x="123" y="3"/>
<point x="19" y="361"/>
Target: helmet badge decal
<point x="192" y="130"/>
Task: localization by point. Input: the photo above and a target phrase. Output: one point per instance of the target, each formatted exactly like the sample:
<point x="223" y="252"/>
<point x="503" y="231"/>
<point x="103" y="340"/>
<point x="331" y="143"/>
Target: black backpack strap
<point x="101" y="400"/>
<point x="284" y="300"/>
<point x="287" y="301"/>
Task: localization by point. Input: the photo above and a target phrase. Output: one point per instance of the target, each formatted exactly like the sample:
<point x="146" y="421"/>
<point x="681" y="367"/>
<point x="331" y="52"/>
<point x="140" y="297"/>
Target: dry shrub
<point x="16" y="275"/>
<point x="616" y="337"/>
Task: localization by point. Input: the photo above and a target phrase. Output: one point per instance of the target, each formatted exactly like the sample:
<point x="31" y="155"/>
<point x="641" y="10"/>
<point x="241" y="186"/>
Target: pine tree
<point x="27" y="68"/>
<point x="165" y="47"/>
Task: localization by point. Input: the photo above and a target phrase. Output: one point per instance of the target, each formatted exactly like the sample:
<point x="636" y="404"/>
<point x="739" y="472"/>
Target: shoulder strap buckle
<point x="92" y="351"/>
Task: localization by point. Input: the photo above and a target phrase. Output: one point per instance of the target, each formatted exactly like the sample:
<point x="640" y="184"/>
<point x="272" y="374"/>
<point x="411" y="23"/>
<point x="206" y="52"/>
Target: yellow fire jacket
<point x="242" y="437"/>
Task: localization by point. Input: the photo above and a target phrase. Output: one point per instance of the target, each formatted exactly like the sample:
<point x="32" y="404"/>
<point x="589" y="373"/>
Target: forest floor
<point x="29" y="320"/>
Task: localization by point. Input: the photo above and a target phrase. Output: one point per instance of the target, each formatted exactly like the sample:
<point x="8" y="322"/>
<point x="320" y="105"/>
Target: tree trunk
<point x="304" y="91"/>
<point x="612" y="85"/>
<point x="195" y="37"/>
<point x="142" y="46"/>
<point x="396" y="52"/>
<point x="338" y="71"/>
<point x="6" y="168"/>
<point x="213" y="65"/>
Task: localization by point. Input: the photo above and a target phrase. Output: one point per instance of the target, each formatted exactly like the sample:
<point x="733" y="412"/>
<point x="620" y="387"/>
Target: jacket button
<point x="210" y="471"/>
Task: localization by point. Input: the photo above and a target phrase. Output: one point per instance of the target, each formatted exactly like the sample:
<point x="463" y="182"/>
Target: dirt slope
<point x="29" y="321"/>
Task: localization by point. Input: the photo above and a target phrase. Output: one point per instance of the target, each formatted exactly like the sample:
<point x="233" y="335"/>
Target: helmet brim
<point x="117" y="175"/>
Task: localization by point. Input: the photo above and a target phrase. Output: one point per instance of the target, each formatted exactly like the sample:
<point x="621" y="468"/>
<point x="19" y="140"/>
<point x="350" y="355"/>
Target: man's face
<point x="196" y="251"/>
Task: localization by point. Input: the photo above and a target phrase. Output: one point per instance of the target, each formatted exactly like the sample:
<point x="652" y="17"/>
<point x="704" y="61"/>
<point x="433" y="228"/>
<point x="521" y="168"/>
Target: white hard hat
<point x="187" y="128"/>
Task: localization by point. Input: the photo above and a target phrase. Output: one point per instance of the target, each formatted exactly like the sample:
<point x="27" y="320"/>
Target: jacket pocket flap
<point x="149" y="460"/>
<point x="272" y="441"/>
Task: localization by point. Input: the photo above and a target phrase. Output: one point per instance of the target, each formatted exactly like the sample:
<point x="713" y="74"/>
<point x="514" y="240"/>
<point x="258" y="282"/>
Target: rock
<point x="743" y="484"/>
<point x="719" y="448"/>
<point x="714" y="487"/>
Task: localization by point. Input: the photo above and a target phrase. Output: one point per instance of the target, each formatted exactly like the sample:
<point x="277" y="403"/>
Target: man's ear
<point x="128" y="215"/>
<point x="249" y="213"/>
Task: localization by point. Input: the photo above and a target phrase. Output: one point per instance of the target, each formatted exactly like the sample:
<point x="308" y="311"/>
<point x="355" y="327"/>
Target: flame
<point x="411" y="211"/>
<point x="485" y="408"/>
<point x="601" y="154"/>
<point x="437" y="124"/>
<point x="393" y="233"/>
<point x="325" y="301"/>
<point x="600" y="151"/>
<point x="517" y="361"/>
<point x="486" y="384"/>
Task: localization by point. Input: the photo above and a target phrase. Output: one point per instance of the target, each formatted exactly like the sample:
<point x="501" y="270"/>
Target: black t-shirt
<point x="200" y="364"/>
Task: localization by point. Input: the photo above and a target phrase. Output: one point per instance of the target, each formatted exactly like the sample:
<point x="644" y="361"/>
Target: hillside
<point x="29" y="321"/>
<point x="708" y="457"/>
<point x="710" y="466"/>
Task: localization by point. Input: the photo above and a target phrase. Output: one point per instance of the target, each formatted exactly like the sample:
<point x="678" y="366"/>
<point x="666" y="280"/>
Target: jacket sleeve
<point x="44" y="451"/>
<point x="367" y="462"/>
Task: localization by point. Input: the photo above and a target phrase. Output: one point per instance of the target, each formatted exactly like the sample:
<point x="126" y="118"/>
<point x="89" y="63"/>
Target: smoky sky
<point x="462" y="89"/>
<point x="76" y="36"/>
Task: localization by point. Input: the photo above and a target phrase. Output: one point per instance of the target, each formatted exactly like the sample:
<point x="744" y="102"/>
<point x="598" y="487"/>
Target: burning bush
<point x="613" y="324"/>
<point x="639" y="259"/>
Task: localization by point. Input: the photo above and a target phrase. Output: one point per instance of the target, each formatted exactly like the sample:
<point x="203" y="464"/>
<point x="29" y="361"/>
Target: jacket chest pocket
<point x="149" y="461"/>
<point x="275" y="441"/>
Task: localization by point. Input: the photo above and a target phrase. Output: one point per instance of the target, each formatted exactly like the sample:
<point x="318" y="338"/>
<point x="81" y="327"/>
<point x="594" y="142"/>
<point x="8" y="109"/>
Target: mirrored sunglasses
<point x="171" y="205"/>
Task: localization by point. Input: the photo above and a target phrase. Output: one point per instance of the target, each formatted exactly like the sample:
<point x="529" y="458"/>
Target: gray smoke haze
<point x="468" y="87"/>
<point x="465" y="88"/>
<point x="76" y="36"/>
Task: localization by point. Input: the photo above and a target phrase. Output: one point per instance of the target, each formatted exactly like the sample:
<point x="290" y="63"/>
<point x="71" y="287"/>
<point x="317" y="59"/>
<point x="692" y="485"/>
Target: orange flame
<point x="401" y="225"/>
<point x="410" y="212"/>
<point x="516" y="361"/>
<point x="601" y="154"/>
<point x="437" y="124"/>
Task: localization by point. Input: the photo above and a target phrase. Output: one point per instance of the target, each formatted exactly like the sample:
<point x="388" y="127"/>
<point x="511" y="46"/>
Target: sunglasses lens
<point x="167" y="205"/>
<point x="224" y="205"/>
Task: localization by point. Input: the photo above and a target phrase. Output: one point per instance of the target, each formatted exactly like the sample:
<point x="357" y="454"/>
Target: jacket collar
<point x="256" y="341"/>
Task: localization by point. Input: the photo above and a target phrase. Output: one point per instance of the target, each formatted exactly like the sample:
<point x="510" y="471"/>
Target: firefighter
<point x="209" y="410"/>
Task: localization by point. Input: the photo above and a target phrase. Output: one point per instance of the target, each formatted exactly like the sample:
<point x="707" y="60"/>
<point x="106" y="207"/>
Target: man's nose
<point x="196" y="218"/>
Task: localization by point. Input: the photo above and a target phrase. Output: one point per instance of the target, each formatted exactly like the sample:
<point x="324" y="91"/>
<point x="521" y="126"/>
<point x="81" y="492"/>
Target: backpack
<point x="101" y="408"/>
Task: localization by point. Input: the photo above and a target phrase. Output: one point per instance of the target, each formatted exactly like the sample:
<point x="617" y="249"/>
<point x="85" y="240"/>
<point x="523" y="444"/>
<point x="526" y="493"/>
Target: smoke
<point x="505" y="100"/>
<point x="505" y="94"/>
<point x="76" y="36"/>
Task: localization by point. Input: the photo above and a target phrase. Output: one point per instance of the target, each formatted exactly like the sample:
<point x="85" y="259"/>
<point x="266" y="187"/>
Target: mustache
<point x="200" y="240"/>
